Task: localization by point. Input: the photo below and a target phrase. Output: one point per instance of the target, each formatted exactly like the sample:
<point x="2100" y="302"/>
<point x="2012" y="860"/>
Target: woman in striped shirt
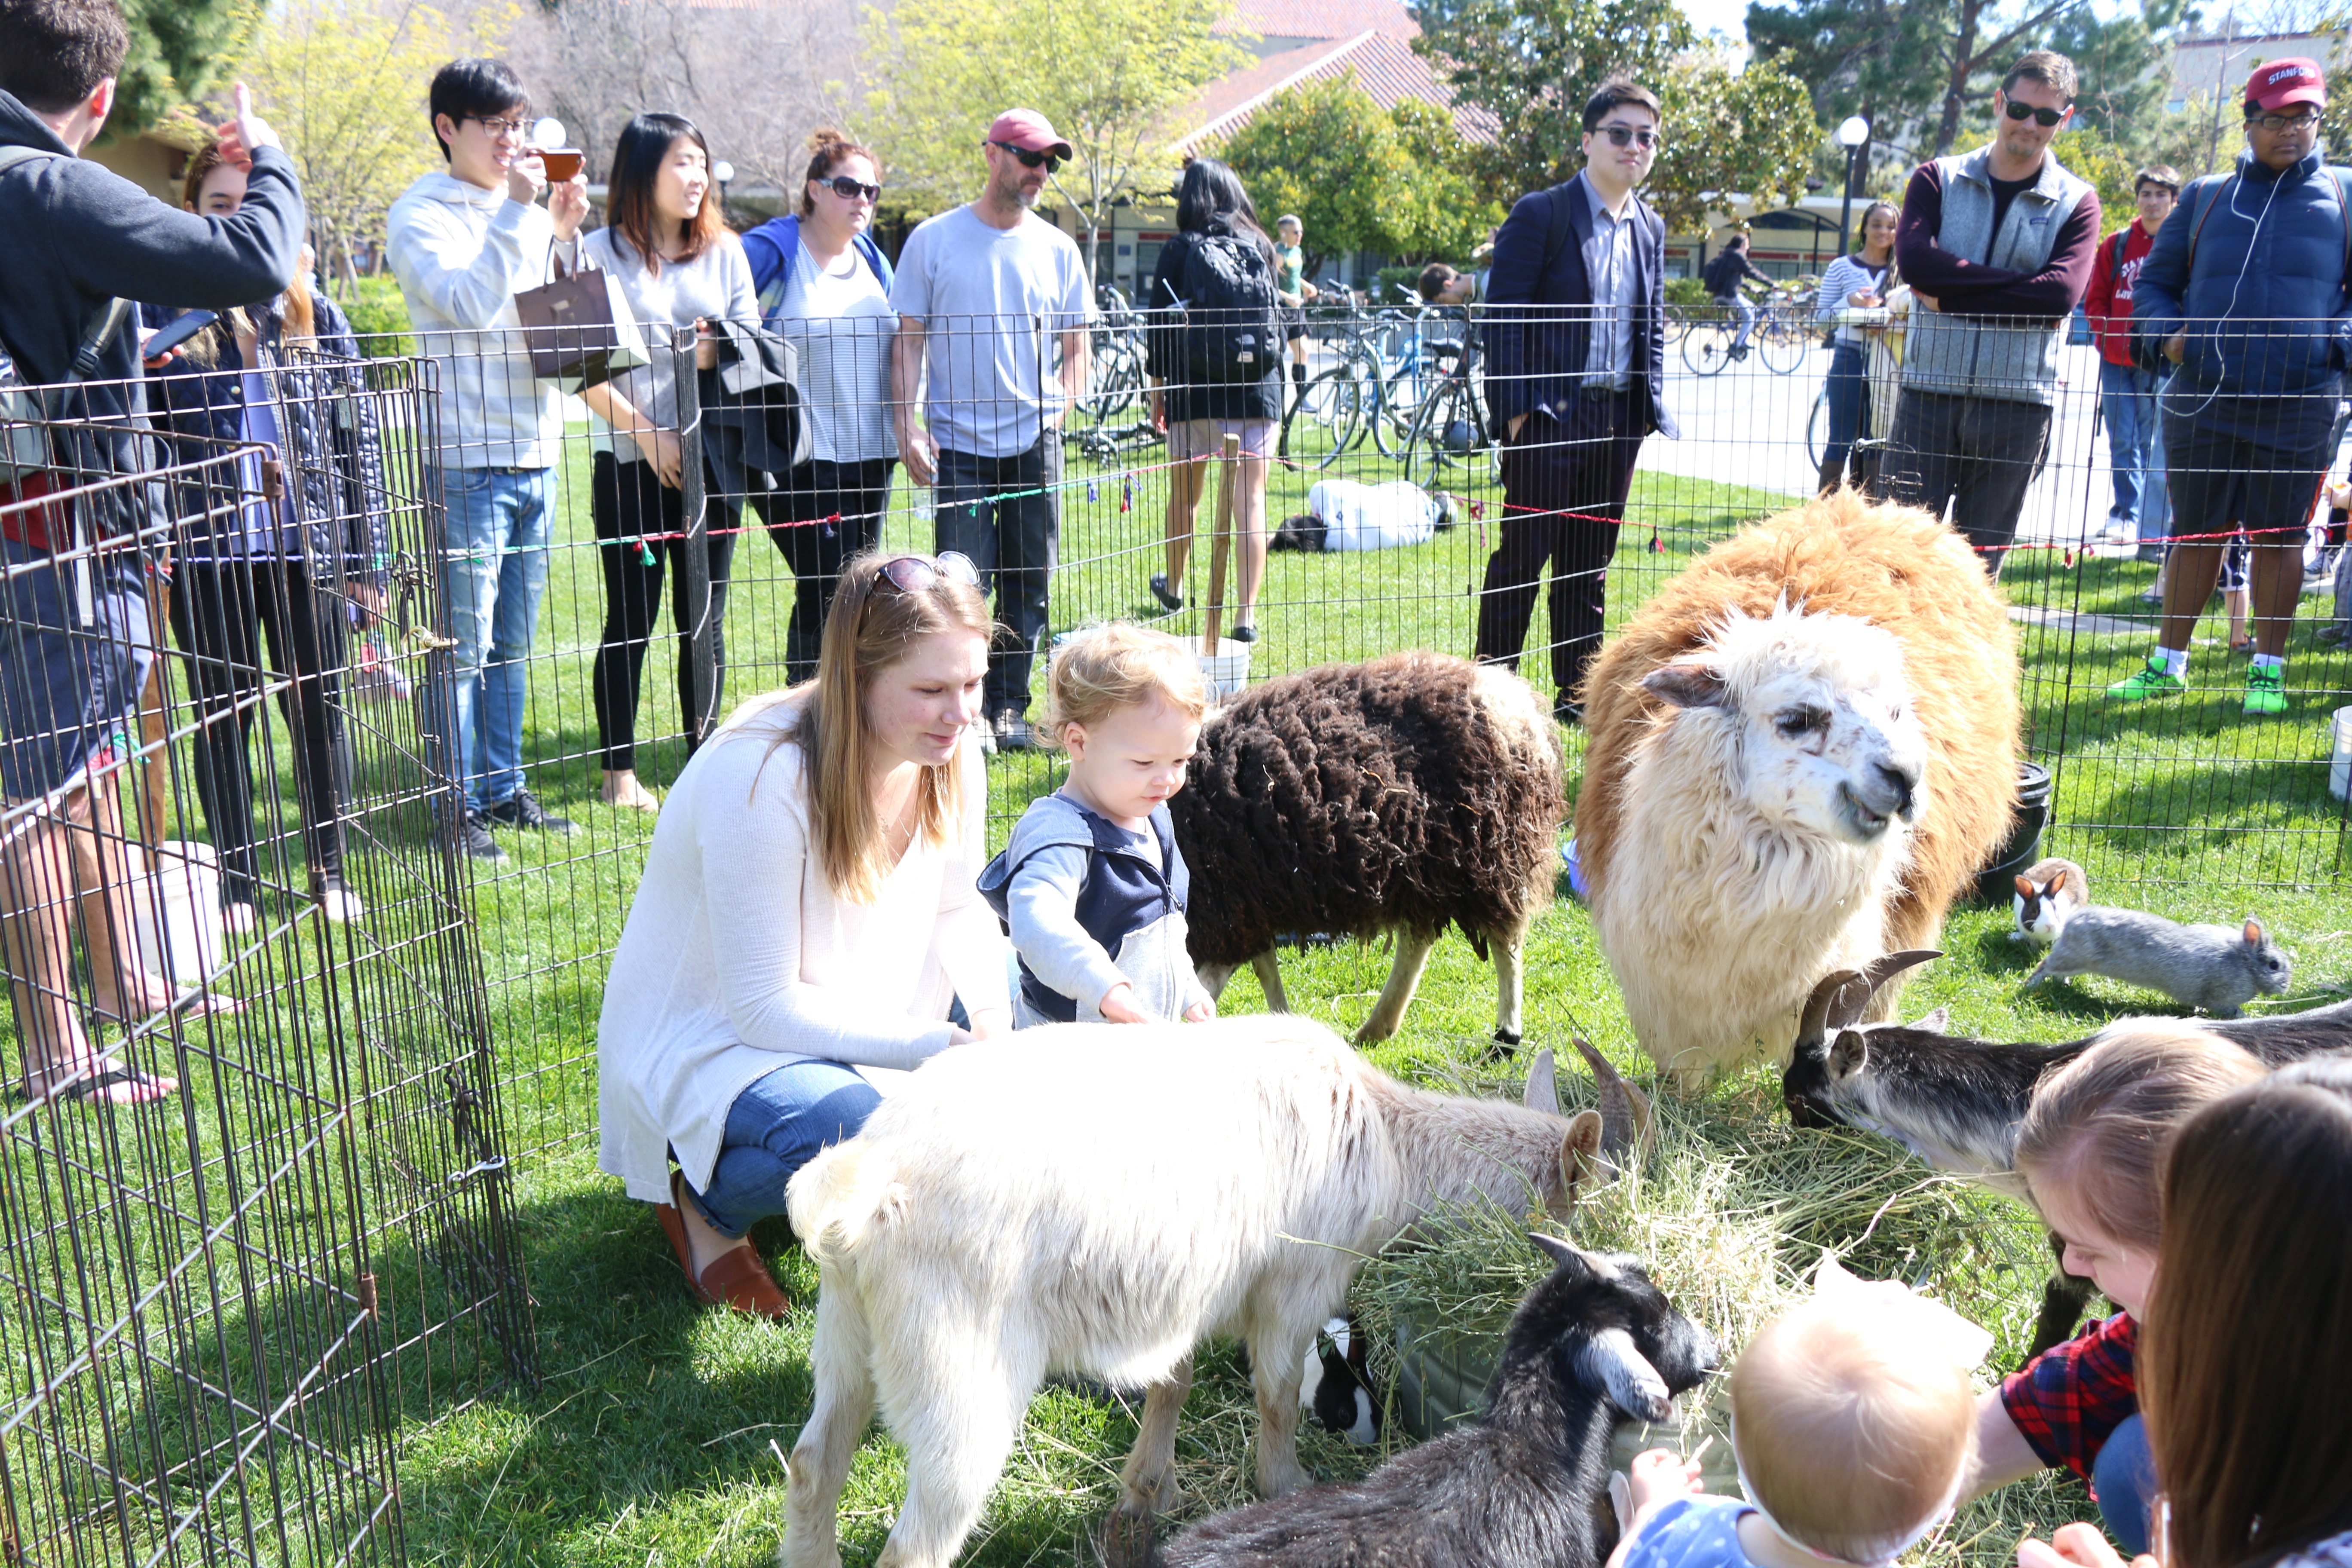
<point x="1860" y="282"/>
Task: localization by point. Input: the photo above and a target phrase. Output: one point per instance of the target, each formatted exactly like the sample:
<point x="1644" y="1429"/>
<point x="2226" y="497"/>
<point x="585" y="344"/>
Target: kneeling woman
<point x="807" y="910"/>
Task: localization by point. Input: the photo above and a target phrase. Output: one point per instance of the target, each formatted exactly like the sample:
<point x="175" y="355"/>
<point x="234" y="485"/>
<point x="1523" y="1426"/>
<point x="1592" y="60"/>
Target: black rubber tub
<point x="1998" y="881"/>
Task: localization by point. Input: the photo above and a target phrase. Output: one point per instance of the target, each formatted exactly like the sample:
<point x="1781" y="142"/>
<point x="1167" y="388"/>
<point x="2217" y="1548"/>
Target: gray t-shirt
<point x="991" y="301"/>
<point x="1609" y="263"/>
<point x="715" y="286"/>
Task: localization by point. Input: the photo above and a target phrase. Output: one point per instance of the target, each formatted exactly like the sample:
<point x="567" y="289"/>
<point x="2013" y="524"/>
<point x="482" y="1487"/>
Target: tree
<point x="1360" y="177"/>
<point x="178" y="49"/>
<point x="1109" y="74"/>
<point x="1530" y="65"/>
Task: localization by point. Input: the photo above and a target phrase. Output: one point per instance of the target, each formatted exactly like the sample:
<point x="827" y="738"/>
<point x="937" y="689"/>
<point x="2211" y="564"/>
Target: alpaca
<point x="1800" y="751"/>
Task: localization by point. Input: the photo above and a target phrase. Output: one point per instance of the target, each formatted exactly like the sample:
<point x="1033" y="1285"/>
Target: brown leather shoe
<point x="737" y="1278"/>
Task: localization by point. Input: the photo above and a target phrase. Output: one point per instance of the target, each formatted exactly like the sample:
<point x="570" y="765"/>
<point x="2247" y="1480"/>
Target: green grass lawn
<point x="656" y="1436"/>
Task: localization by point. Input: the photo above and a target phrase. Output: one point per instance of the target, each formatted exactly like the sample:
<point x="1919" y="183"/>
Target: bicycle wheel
<point x="1327" y="420"/>
<point x="1817" y="427"/>
<point x="1781" y="341"/>
<point x="1440" y="436"/>
<point x="1676" y="321"/>
<point x="1402" y="396"/>
<point x="1706" y="347"/>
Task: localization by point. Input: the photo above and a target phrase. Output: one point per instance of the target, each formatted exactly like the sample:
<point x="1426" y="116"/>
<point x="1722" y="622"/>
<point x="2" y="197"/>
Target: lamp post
<point x="1853" y="135"/>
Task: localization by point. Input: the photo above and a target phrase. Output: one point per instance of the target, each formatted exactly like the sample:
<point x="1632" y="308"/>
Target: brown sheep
<point x="1800" y="751"/>
<point x="1405" y="795"/>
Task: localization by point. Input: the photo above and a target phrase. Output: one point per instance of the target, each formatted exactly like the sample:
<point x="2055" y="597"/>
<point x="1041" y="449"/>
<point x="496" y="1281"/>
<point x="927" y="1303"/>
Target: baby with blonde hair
<point x="1853" y="1423"/>
<point x="1091" y="886"/>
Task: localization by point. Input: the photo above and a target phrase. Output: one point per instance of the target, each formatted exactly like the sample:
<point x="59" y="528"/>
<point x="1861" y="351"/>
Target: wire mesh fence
<point x="254" y="1198"/>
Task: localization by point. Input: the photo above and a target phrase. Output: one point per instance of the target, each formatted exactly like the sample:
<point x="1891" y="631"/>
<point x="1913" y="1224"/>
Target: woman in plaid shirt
<point x="2091" y="1150"/>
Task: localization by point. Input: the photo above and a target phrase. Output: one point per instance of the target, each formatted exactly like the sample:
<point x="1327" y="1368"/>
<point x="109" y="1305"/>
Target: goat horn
<point x="1877" y="972"/>
<point x="1814" y="1028"/>
<point x="1543" y="1085"/>
<point x="1625" y="1125"/>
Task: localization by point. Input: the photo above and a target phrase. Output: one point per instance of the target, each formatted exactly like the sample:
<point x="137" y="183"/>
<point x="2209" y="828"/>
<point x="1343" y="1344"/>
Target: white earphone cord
<point x="2234" y="289"/>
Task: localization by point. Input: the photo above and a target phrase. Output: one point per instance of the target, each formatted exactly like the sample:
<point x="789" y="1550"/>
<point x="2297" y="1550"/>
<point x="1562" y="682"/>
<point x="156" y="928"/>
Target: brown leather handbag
<point x="581" y="331"/>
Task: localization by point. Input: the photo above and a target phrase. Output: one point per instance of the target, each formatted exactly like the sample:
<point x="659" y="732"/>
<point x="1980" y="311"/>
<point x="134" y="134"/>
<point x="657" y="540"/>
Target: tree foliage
<point x="178" y="49"/>
<point x="1531" y="64"/>
<point x="1109" y="74"/>
<point x="1358" y="176"/>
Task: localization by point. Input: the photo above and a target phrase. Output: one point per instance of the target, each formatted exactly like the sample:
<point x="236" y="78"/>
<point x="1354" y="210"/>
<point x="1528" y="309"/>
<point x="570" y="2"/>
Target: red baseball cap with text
<point x="1027" y="127"/>
<point x="2277" y="83"/>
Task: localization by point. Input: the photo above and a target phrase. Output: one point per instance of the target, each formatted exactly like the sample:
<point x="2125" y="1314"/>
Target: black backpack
<point x="1723" y="274"/>
<point x="1231" y="332"/>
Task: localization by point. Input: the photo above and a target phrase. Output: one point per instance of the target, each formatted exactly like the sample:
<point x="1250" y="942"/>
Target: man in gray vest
<point x="1997" y="246"/>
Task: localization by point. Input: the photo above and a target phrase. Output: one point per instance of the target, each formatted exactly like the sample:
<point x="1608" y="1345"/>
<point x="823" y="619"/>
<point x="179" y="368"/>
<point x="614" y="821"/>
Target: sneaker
<point x="1013" y="732"/>
<point x="1243" y="634"/>
<point x="2333" y="633"/>
<point x="1168" y="598"/>
<point x="2151" y="595"/>
<point x="2266" y="690"/>
<point x="522" y="810"/>
<point x="475" y="833"/>
<point x="337" y="902"/>
<point x="2151" y="681"/>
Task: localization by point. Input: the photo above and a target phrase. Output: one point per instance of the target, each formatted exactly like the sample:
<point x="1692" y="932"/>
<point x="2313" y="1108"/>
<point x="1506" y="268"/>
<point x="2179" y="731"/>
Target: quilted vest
<point x="2008" y="358"/>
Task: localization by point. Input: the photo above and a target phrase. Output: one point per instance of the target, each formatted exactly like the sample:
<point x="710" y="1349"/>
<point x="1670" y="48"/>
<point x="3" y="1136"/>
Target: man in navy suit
<point x="1576" y="361"/>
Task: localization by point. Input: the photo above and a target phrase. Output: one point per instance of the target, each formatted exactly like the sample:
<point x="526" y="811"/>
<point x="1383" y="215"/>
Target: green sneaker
<point x="2266" y="690"/>
<point x="2152" y="681"/>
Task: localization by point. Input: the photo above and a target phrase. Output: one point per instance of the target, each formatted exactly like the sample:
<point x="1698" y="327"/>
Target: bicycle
<point x="1784" y="327"/>
<point x="1450" y="424"/>
<point x="1116" y="377"/>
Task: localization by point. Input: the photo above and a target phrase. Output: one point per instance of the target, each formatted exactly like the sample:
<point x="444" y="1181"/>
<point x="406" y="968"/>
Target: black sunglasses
<point x="1619" y="136"/>
<point x="1031" y="158"/>
<point x="849" y="190"/>
<point x="921" y="573"/>
<point x="2038" y="116"/>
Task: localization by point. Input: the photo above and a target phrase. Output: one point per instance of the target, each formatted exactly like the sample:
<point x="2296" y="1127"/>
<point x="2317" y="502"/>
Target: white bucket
<point x="181" y="891"/>
<point x="1227" y="670"/>
<point x="2340" y="765"/>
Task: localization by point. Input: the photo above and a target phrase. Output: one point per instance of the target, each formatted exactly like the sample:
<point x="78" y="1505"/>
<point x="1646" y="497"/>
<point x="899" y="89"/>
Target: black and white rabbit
<point x="2217" y="968"/>
<point x="2046" y="898"/>
<point x="1337" y="1387"/>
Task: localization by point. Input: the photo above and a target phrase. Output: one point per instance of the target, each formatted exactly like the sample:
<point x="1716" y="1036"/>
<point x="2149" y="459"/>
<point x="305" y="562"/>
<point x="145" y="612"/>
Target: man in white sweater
<point x="463" y="245"/>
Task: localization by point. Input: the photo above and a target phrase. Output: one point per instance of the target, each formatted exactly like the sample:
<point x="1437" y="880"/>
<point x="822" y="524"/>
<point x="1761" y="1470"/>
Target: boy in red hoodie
<point x="2127" y="393"/>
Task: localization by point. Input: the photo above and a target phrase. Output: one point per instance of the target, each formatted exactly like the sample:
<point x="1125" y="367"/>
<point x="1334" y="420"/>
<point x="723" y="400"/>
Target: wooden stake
<point x="1229" y="462"/>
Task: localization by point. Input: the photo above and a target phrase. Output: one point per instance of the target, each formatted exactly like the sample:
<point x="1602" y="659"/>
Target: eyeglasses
<point x="2044" y="117"/>
<point x="1638" y="135"/>
<point x="498" y="127"/>
<point x="849" y="190"/>
<point x="921" y="573"/>
<point x="1031" y="158"/>
<point x="2284" y="121"/>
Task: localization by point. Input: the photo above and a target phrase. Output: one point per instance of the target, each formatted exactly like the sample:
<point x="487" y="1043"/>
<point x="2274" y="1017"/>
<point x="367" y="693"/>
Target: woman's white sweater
<point x="738" y="956"/>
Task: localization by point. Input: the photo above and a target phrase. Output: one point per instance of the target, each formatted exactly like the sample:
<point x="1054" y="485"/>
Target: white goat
<point x="1097" y="1199"/>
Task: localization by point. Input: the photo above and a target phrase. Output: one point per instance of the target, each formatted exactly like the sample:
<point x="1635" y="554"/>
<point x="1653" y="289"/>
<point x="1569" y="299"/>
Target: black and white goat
<point x="1957" y="1103"/>
<point x="1522" y="1485"/>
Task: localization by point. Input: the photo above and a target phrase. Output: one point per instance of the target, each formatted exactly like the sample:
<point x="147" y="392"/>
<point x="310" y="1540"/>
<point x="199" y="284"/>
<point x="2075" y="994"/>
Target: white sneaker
<point x="338" y="903"/>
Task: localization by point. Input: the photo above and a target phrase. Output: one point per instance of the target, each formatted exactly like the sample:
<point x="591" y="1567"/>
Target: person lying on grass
<point x="2246" y="1370"/>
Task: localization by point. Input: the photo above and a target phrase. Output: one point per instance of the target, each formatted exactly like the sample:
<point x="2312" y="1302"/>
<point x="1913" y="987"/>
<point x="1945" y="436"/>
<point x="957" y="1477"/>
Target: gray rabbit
<point x="2213" y="967"/>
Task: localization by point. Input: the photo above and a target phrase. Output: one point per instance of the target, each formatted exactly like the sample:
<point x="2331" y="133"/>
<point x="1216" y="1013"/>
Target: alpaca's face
<point x="1817" y="719"/>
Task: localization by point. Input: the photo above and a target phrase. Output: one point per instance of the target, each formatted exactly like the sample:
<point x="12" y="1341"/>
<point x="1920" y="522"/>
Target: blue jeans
<point x="1005" y="513"/>
<point x="2135" y="454"/>
<point x="1848" y="400"/>
<point x="1743" y="313"/>
<point x="775" y="1127"/>
<point x="2124" y="1476"/>
<point x="495" y="533"/>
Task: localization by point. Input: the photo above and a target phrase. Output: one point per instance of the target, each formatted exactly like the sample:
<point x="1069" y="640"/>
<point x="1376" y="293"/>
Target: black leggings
<point x="821" y="515"/>
<point x="628" y="501"/>
<point x="221" y="613"/>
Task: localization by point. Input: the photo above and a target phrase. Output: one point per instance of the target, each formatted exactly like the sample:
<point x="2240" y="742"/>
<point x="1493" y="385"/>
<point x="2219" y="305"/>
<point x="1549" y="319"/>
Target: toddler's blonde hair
<point x="1118" y="666"/>
<point x="1852" y="1425"/>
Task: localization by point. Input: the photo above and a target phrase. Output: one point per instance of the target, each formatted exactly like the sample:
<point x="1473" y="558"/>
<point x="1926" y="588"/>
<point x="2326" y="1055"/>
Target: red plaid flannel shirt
<point x="2072" y="1396"/>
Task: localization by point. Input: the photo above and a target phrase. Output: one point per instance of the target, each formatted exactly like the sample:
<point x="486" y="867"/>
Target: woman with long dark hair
<point x="678" y="265"/>
<point x="824" y="288"/>
<point x="2245" y="1363"/>
<point x="807" y="912"/>
<point x="284" y="372"/>
<point x="1857" y="282"/>
<point x="1216" y="228"/>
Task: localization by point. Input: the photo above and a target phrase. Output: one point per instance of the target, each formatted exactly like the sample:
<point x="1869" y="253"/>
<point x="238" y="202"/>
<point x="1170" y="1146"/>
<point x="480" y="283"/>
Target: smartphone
<point x="177" y="332"/>
<point x="562" y="163"/>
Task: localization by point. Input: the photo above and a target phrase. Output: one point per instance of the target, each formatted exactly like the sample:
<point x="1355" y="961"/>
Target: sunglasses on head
<point x="1621" y="135"/>
<point x="1031" y="158"/>
<point x="921" y="573"/>
<point x="849" y="190"/>
<point x="2038" y="116"/>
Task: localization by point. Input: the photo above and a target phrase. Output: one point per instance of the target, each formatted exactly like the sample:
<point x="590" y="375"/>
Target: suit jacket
<point x="1534" y="358"/>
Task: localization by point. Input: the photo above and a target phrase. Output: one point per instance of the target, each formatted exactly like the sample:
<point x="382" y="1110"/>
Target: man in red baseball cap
<point x="994" y="302"/>
<point x="2242" y="292"/>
